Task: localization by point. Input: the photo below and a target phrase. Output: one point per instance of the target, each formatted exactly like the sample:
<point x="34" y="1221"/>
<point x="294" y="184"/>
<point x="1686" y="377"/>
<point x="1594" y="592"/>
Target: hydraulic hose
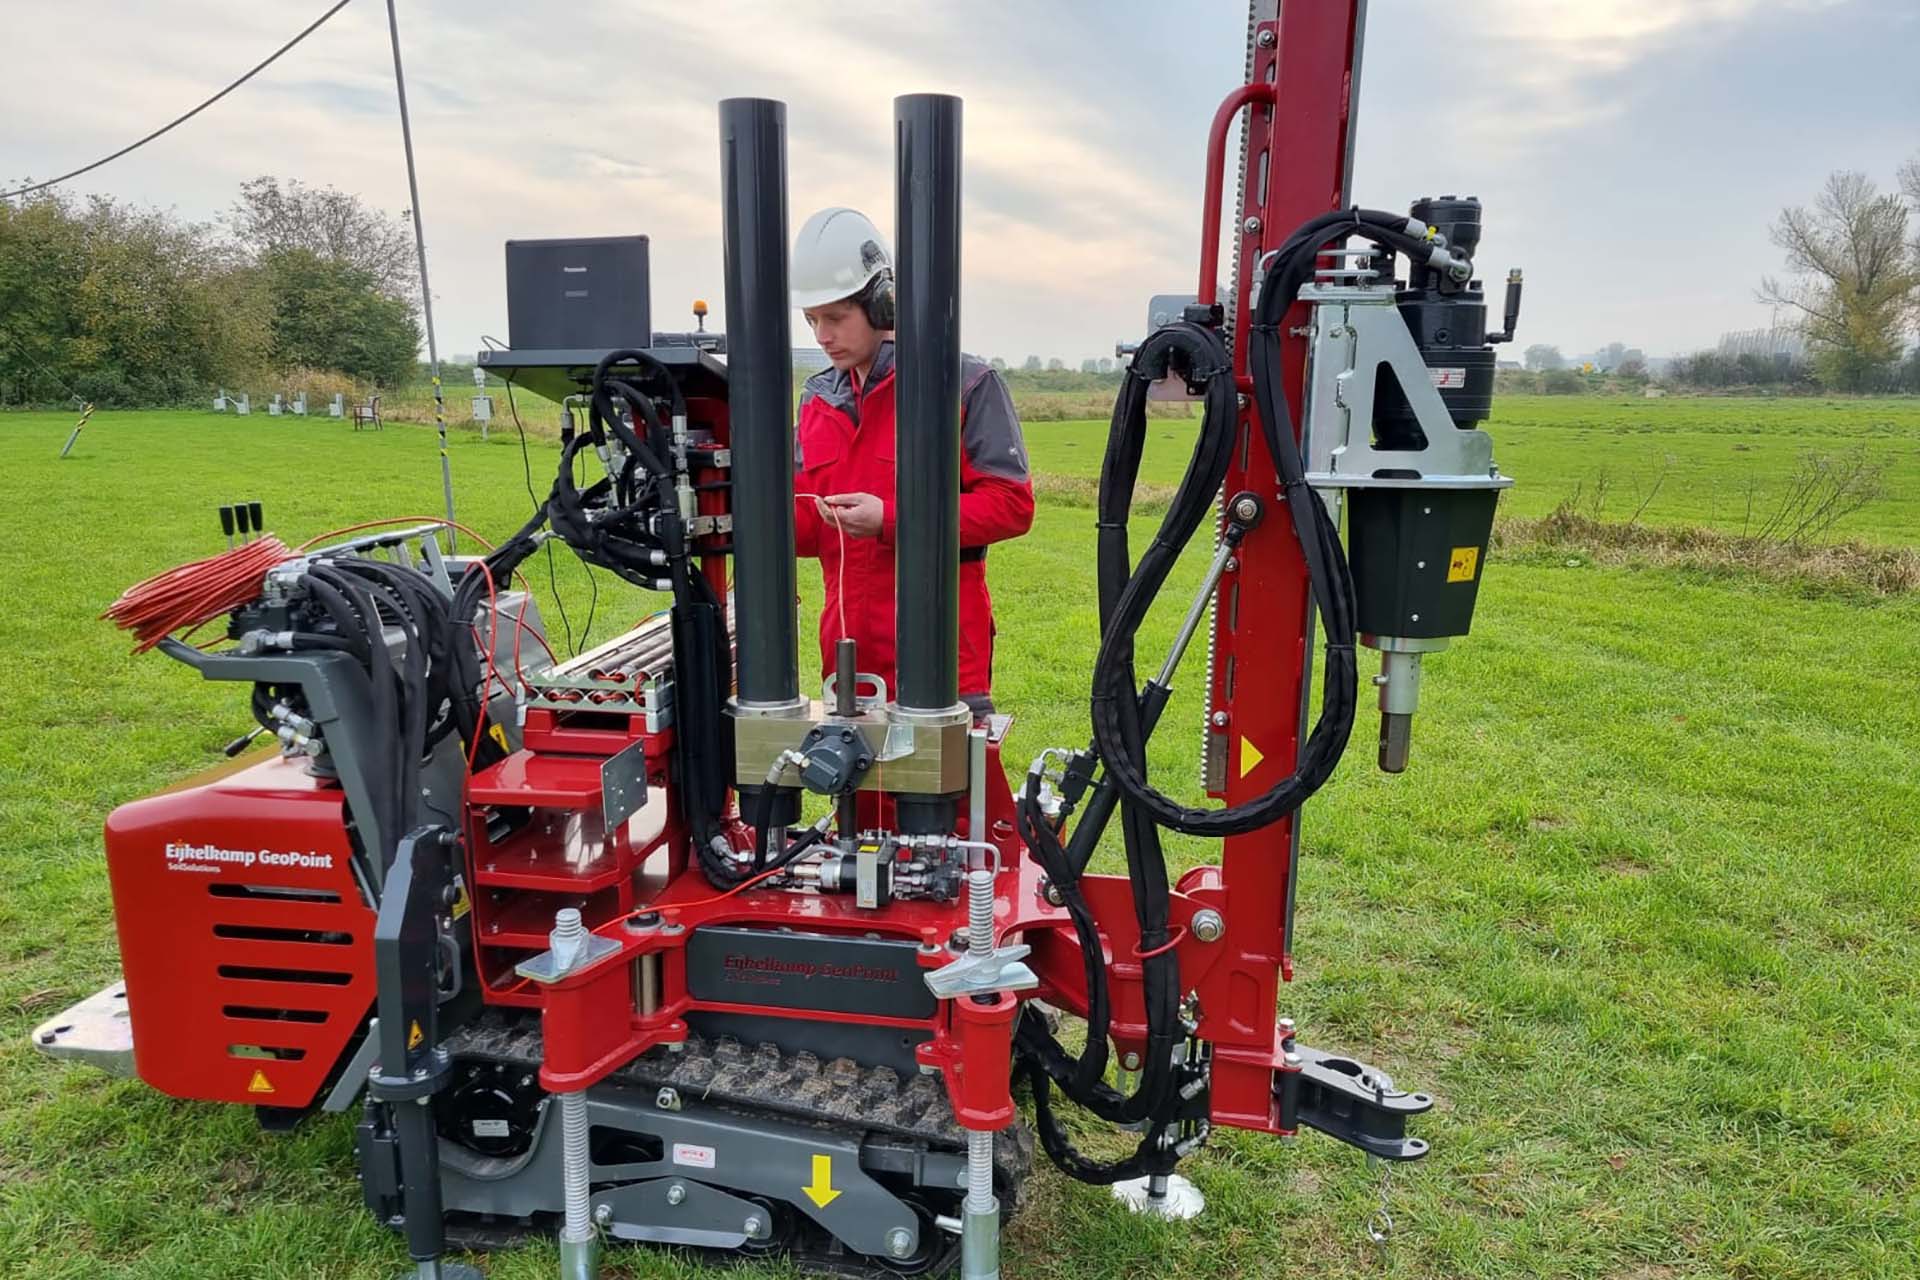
<point x="1124" y="715"/>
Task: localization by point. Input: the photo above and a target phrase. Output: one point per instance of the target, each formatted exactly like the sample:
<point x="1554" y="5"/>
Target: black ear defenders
<point x="877" y="299"/>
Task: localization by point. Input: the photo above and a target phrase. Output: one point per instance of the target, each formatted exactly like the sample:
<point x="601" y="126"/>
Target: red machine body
<point x="246" y="940"/>
<point x="255" y="949"/>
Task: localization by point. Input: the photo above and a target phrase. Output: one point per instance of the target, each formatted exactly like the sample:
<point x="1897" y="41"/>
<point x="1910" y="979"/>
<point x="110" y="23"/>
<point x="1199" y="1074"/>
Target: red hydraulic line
<point x="1244" y="96"/>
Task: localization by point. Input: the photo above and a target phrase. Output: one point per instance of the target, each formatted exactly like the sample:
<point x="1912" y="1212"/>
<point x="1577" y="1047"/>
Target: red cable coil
<point x="195" y="593"/>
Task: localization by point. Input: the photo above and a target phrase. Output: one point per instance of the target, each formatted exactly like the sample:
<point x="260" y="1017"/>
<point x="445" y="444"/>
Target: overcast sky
<point x="1630" y="152"/>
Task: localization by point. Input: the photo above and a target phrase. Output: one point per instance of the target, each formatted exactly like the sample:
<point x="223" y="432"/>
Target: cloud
<point x="1083" y="133"/>
<point x="1526" y="71"/>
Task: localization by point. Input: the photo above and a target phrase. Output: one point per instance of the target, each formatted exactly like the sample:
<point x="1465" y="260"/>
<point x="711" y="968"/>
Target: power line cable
<point x="526" y="465"/>
<point x="180" y="120"/>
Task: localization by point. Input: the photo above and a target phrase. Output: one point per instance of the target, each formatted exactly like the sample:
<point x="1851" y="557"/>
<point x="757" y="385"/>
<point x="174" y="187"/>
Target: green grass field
<point x="1642" y="915"/>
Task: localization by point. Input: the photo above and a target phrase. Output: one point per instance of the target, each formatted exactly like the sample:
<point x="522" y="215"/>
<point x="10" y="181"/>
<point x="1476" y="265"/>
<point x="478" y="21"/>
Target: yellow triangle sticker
<point x="1250" y="757"/>
<point x="259" y="1083"/>
<point x="499" y="735"/>
<point x="415" y="1036"/>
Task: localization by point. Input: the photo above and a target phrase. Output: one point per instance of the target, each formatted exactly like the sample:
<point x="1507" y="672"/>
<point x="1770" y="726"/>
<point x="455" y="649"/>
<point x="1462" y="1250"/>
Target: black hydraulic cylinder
<point x="753" y="188"/>
<point x="926" y="130"/>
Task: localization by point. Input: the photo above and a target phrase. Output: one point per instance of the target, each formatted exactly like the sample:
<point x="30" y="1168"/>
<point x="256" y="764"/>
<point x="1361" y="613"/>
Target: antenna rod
<point x="426" y="290"/>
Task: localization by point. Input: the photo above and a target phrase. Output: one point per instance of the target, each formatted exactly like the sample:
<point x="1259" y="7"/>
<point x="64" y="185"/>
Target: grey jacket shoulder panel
<point x="990" y="430"/>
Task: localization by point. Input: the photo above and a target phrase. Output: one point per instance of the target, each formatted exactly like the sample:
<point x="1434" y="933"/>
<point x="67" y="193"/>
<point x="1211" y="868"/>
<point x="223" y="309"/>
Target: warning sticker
<point x="693" y="1156"/>
<point x="259" y="1083"/>
<point x="1250" y="757"/>
<point x="491" y="1129"/>
<point x="499" y="735"/>
<point x="1464" y="563"/>
<point x="461" y="902"/>
<point x="415" y="1035"/>
<point x="1449" y="378"/>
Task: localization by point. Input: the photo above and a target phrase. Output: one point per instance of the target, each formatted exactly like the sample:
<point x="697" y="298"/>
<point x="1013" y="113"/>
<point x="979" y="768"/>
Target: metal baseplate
<point x="98" y="1031"/>
<point x="1168" y="1196"/>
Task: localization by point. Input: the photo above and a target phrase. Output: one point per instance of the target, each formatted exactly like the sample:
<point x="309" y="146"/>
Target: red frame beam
<point x="1296" y="162"/>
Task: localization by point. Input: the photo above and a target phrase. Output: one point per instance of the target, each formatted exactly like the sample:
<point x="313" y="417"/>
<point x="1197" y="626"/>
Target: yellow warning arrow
<point x="259" y="1083"/>
<point x="821" y="1190"/>
<point x="1250" y="757"/>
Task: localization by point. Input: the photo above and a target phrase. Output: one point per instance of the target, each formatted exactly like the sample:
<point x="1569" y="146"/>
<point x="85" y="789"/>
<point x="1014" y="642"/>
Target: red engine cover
<point x="246" y="939"/>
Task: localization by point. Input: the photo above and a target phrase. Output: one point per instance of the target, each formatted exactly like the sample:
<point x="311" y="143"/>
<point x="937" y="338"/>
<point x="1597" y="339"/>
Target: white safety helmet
<point x="841" y="254"/>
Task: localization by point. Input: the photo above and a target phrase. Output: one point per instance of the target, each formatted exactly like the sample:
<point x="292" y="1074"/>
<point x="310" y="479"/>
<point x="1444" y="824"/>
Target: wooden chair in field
<point x="368" y="414"/>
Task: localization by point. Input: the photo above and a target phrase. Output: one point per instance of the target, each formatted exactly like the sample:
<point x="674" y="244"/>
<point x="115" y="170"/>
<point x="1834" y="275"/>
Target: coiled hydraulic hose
<point x="1123" y="716"/>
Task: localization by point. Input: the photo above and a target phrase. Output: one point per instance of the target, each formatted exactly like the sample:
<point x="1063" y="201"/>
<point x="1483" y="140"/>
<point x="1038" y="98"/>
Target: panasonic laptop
<point x="572" y="295"/>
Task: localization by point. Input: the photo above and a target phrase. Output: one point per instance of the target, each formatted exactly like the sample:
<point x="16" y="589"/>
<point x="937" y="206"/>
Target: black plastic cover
<point x="1417" y="556"/>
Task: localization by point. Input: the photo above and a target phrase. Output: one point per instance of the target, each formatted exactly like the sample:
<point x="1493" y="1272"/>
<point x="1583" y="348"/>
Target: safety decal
<point x="821" y="1190"/>
<point x="259" y="1083"/>
<point x="1464" y="564"/>
<point x="1250" y="757"/>
<point x="693" y="1155"/>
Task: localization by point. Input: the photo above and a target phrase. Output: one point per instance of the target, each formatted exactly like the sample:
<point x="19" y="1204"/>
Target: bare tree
<point x="1854" y="278"/>
<point x="333" y="225"/>
<point x="1910" y="187"/>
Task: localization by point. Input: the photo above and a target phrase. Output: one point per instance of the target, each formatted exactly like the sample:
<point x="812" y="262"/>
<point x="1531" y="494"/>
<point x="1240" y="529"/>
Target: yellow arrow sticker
<point x="1250" y="757"/>
<point x="1463" y="564"/>
<point x="259" y="1083"/>
<point x="414" y="1035"/>
<point x="821" y="1190"/>
<point x="499" y="735"/>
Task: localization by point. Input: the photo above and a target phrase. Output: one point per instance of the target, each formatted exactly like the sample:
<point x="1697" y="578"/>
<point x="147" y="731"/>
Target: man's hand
<point x="859" y="515"/>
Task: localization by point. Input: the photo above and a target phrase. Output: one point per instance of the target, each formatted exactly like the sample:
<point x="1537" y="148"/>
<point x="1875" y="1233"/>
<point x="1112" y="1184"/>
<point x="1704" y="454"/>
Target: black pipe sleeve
<point x="927" y="399"/>
<point x="753" y="183"/>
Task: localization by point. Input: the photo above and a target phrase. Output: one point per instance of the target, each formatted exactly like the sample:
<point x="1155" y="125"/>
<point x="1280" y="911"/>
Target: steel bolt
<point x="1219" y="719"/>
<point x="1130" y="1061"/>
<point x="899" y="1242"/>
<point x="1286" y="1028"/>
<point x="677" y="1193"/>
<point x="1266" y="39"/>
<point x="755" y="1226"/>
<point x="1208" y="925"/>
<point x="667" y="1100"/>
<point x="1251" y="226"/>
<point x="603" y="1214"/>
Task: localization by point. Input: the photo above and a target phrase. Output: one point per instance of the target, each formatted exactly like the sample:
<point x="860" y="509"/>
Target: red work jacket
<point x="845" y="444"/>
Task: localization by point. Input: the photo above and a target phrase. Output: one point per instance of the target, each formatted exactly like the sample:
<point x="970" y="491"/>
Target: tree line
<point x="122" y="305"/>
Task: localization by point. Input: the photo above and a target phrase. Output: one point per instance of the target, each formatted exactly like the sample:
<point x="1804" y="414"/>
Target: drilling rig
<point x="557" y="929"/>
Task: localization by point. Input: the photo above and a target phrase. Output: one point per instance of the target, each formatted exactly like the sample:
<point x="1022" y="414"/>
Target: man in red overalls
<point x="842" y="281"/>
